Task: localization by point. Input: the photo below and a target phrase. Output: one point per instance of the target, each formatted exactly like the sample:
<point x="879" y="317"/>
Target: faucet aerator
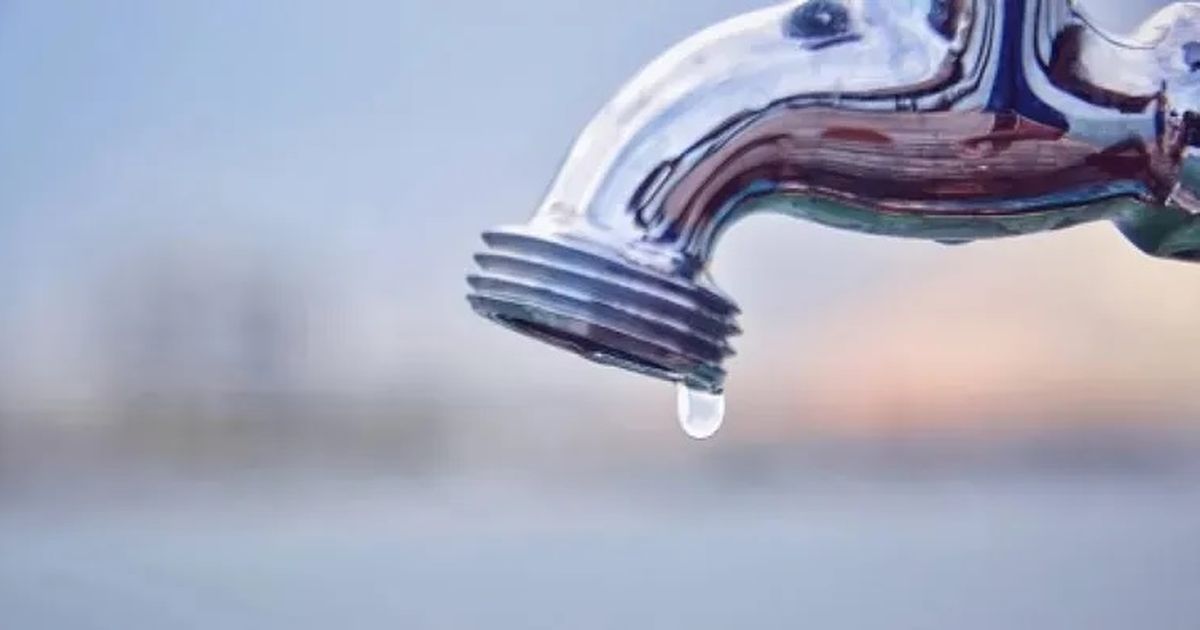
<point x="575" y="295"/>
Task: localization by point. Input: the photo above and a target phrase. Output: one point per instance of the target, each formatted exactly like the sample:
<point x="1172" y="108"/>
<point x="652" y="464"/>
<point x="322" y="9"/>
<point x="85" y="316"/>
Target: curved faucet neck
<point x="1054" y="124"/>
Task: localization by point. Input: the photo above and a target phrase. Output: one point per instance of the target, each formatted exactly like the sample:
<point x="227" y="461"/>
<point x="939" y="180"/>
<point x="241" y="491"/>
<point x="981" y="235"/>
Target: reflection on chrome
<point x="950" y="120"/>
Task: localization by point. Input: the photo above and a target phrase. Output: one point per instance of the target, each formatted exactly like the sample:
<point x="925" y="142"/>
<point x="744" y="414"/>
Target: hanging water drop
<point x="700" y="413"/>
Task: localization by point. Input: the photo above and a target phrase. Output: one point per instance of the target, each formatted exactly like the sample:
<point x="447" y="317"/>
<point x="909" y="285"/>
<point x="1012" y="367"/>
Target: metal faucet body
<point x="949" y="120"/>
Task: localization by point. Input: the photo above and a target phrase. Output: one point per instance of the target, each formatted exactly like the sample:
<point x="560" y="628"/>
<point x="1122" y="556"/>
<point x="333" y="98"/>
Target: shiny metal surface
<point x="951" y="120"/>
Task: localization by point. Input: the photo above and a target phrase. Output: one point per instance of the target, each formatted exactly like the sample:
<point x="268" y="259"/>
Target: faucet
<point x="947" y="120"/>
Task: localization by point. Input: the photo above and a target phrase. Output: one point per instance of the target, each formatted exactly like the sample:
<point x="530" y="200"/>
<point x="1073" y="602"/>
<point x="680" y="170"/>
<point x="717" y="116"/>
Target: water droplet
<point x="700" y="413"/>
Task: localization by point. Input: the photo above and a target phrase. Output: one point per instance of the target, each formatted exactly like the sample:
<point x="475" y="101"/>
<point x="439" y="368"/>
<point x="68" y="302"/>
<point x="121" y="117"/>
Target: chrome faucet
<point x="950" y="120"/>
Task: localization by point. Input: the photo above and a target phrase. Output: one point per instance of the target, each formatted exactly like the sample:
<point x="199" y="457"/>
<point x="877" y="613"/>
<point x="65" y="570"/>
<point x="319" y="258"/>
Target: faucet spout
<point x="948" y="120"/>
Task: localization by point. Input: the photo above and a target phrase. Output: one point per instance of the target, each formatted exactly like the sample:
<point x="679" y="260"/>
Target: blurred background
<point x="240" y="386"/>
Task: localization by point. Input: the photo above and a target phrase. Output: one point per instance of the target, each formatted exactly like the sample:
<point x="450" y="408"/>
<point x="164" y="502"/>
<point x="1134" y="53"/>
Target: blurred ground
<point x="1102" y="553"/>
